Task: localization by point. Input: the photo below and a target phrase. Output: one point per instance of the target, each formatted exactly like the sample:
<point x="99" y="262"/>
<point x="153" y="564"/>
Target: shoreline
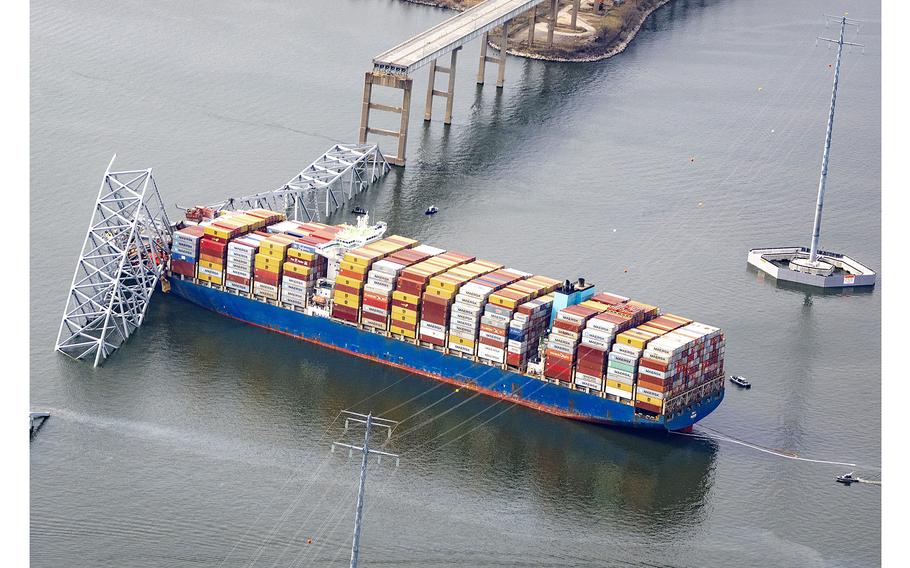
<point x="601" y="52"/>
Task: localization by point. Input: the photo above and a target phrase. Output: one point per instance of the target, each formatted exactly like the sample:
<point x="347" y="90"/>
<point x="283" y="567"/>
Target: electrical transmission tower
<point x="369" y="422"/>
<point x="125" y="252"/>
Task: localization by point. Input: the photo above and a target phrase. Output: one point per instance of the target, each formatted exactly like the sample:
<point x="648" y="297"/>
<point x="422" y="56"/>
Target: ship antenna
<point x="823" y="178"/>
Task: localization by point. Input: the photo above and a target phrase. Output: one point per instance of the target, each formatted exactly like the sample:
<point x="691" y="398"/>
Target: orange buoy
<point x="309" y="541"/>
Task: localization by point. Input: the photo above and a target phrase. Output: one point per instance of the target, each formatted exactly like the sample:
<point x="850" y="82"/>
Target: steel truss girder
<point x="322" y="187"/>
<point x="123" y="256"/>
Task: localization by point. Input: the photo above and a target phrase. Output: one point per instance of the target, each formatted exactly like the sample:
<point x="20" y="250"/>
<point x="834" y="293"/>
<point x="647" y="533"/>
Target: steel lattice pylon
<point x="335" y="177"/>
<point x="125" y="252"/>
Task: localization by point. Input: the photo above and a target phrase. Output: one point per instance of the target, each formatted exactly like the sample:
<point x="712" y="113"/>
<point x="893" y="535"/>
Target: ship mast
<point x="823" y="178"/>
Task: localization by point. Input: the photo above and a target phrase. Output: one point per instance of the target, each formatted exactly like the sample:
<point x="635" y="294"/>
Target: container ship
<point x="557" y="346"/>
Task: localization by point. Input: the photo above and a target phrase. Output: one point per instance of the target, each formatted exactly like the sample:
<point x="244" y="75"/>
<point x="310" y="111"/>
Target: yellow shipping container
<point x="407" y="317"/>
<point x="618" y="385"/>
<point x="447" y="294"/>
<point x="648" y="399"/>
<point x="209" y="278"/>
<point x="402" y="331"/>
<point x="217" y="232"/>
<point x="351" y="282"/>
<point x="267" y="262"/>
<point x="301" y="254"/>
<point x="358" y="268"/>
<point x="346" y="299"/>
<point x="405" y="297"/>
<point x="297" y="268"/>
<point x="461" y="341"/>
<point x="211" y="265"/>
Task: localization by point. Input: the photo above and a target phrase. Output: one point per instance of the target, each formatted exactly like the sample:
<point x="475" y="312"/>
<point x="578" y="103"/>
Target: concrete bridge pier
<point x="532" y="23"/>
<point x="500" y="60"/>
<point x="551" y="21"/>
<point x="394" y="82"/>
<point x="448" y="94"/>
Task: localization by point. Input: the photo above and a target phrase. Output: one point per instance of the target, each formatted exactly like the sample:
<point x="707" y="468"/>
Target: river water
<point x="205" y="442"/>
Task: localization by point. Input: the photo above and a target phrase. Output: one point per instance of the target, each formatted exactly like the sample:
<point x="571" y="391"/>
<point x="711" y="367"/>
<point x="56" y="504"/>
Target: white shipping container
<point x="561" y="348"/>
<point x="622" y="358"/>
<point x="476" y="290"/>
<point x="620" y="373"/>
<point x="618" y="392"/>
<point x="461" y="348"/>
<point x="492" y="336"/>
<point x="433" y="326"/>
<point x="602" y="326"/>
<point x="653" y="373"/>
<point x="374" y="310"/>
<point x="596" y="343"/>
<point x="383" y="289"/>
<point x="432" y="333"/>
<point x="649" y="392"/>
<point x="588" y="381"/>
<point x="463" y="300"/>
<point x="571" y="318"/>
<point x="427" y="249"/>
<point x="491" y="353"/>
<point x="240" y="272"/>
<point x="387" y="267"/>
<point x="245" y="288"/>
<point x="626" y="350"/>
<point x="210" y="272"/>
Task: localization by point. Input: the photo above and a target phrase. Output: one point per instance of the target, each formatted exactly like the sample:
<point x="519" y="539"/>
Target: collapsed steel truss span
<point x="124" y="254"/>
<point x="325" y="185"/>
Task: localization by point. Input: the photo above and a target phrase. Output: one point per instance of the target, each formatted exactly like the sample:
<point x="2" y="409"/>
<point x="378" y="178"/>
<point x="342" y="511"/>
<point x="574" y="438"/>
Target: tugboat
<point x="846" y="479"/>
<point x="431" y="210"/>
<point x="740" y="382"/>
<point x="359" y="210"/>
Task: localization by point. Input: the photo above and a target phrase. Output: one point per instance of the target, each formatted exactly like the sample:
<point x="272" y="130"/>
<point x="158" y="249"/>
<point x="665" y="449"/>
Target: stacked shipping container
<point x="678" y="363"/>
<point x="607" y="344"/>
<point x="352" y="276"/>
<point x="528" y="325"/>
<point x="185" y="250"/>
<point x="409" y="289"/>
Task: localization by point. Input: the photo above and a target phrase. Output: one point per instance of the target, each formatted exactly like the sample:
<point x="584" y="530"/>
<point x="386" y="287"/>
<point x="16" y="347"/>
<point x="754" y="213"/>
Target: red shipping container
<point x="493" y="342"/>
<point x="653" y="385"/>
<point x="295" y="276"/>
<point x="352" y="275"/>
<point x="347" y="289"/>
<point x="372" y="317"/>
<point x="646" y="406"/>
<point x="381" y="304"/>
<point x="212" y="248"/>
<point x="438" y="320"/>
<point x="239" y="279"/>
<point x="344" y="312"/>
<point x="184" y="268"/>
<point x="567" y="325"/>
<point x="267" y="277"/>
<point x="404" y="325"/>
<point x="409" y="287"/>
<point x="433" y="340"/>
<point x="564" y="357"/>
<point x="652" y="364"/>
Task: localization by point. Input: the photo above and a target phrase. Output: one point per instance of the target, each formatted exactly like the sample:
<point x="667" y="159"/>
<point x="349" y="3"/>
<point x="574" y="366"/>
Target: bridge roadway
<point x="443" y="38"/>
<point x="393" y="68"/>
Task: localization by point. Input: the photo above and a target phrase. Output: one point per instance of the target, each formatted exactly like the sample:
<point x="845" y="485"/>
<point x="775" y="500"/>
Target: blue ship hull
<point x="493" y="381"/>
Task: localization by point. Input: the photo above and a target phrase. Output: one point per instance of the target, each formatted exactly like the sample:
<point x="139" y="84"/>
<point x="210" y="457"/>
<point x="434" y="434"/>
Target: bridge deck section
<point x="405" y="58"/>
